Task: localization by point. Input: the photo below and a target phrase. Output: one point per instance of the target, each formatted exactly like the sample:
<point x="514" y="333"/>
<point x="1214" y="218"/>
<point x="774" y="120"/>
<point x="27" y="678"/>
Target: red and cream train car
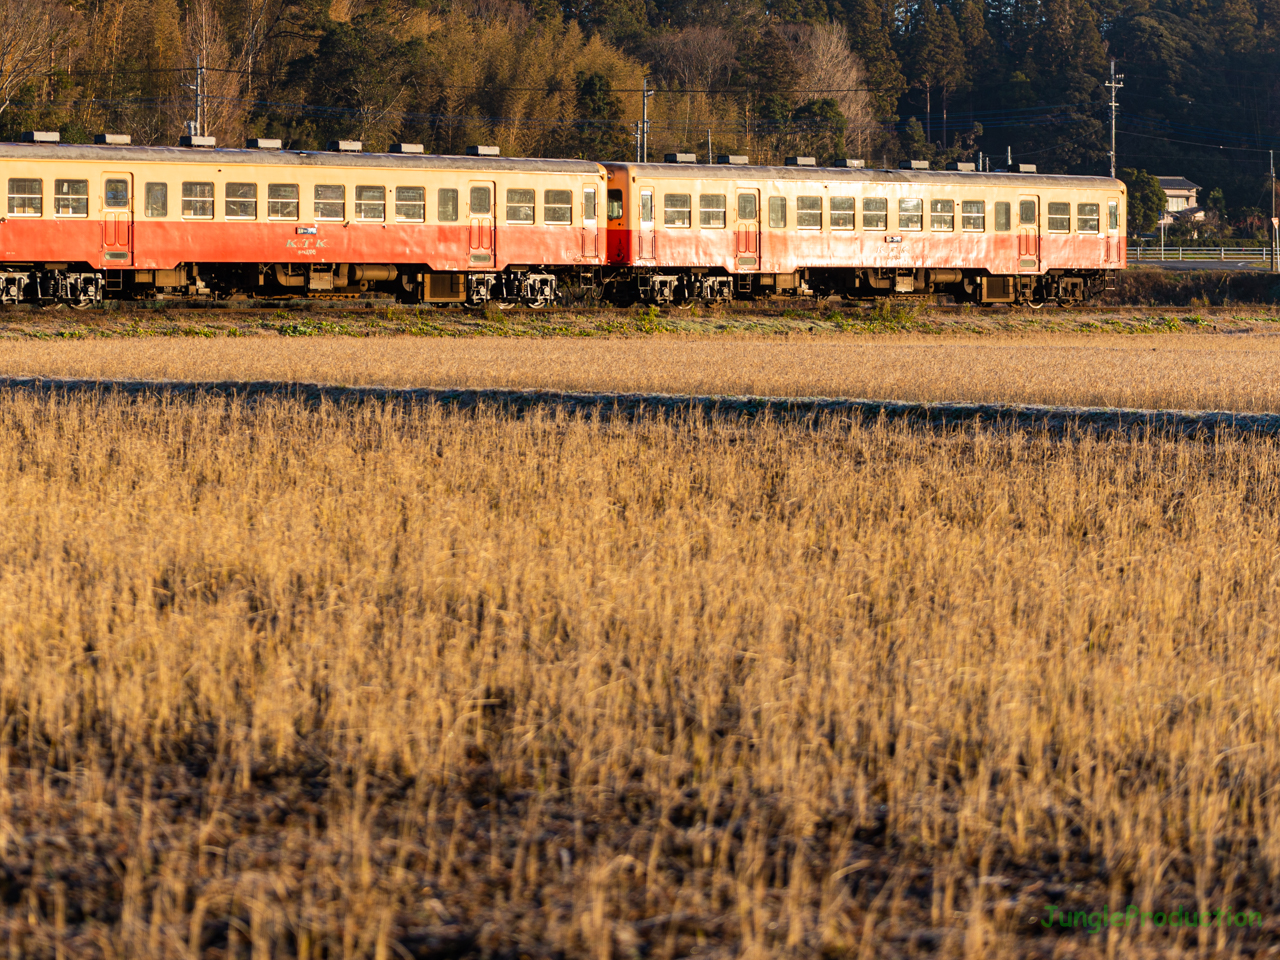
<point x="191" y="221"/>
<point x="691" y="231"/>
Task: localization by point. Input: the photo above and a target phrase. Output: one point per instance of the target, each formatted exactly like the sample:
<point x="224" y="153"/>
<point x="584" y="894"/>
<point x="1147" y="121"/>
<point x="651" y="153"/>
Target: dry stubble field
<point x="1173" y="371"/>
<point x="385" y="681"/>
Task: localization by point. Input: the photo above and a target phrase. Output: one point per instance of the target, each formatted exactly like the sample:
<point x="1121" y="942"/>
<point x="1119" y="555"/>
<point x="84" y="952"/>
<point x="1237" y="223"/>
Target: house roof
<point x="1177" y="183"/>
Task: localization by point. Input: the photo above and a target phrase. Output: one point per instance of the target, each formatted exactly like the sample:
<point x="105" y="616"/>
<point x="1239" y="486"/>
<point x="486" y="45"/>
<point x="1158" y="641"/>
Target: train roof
<point x="862" y="175"/>
<point x="290" y="158"/>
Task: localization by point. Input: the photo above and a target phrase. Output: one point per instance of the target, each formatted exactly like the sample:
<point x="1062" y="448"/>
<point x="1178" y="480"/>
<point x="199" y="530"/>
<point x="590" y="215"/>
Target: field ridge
<point x="1013" y="416"/>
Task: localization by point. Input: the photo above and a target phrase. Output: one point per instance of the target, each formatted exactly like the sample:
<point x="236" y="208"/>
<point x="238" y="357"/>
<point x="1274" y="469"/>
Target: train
<point x="110" y="220"/>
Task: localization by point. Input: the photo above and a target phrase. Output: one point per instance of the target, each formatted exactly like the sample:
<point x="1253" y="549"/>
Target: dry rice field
<point x="379" y="681"/>
<point x="1178" y="371"/>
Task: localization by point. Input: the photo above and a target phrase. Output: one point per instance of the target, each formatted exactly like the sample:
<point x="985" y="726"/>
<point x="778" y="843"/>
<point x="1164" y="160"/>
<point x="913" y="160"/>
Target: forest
<point x="990" y="80"/>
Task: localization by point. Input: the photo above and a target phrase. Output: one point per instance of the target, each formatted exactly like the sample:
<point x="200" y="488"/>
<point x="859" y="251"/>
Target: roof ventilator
<point x="346" y="146"/>
<point x="962" y="166"/>
<point x="733" y="159"/>
<point x="801" y="162"/>
<point x="680" y="158"/>
<point x="263" y="143"/>
<point x="478" y="151"/>
<point x="113" y="139"/>
<point x="193" y="141"/>
<point x="850" y="164"/>
<point x="42" y="136"/>
<point x="913" y="164"/>
<point x="407" y="148"/>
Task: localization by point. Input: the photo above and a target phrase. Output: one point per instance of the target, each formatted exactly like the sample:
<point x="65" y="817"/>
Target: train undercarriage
<point x="535" y="287"/>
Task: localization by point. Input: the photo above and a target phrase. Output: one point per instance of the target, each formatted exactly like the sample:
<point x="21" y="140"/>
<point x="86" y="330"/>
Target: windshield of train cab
<point x="615" y="204"/>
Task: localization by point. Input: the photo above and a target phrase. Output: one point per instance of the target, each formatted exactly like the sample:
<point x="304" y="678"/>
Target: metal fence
<point x="1258" y="255"/>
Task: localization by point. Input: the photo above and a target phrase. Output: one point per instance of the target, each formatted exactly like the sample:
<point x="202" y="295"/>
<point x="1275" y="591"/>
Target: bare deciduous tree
<point x="829" y="69"/>
<point x="695" y="58"/>
<point x="34" y="34"/>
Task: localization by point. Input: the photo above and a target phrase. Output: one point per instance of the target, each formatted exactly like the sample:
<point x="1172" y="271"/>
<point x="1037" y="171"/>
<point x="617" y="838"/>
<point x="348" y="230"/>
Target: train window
<point x="875" y="213"/>
<point x="942" y="215"/>
<point x="242" y="201"/>
<point x="1026" y="212"/>
<point x="371" y="203"/>
<point x="447" y="205"/>
<point x="712" y="210"/>
<point x="677" y="210"/>
<point x="809" y="213"/>
<point x="25" y="197"/>
<point x="747" y="206"/>
<point x="973" y="215"/>
<point x="282" y="201"/>
<point x="155" y="199"/>
<point x="1087" y="220"/>
<point x="615" y="205"/>
<point x="520" y="206"/>
<point x="842" y="210"/>
<point x="910" y="214"/>
<point x="331" y="201"/>
<point x="1060" y="217"/>
<point x="411" y="204"/>
<point x="1004" y="218"/>
<point x="588" y="204"/>
<point x="479" y="205"/>
<point x="116" y="193"/>
<point x="1113" y="215"/>
<point x="778" y="212"/>
<point x="197" y="200"/>
<point x="71" y="198"/>
<point x="646" y="206"/>
<point x="557" y="206"/>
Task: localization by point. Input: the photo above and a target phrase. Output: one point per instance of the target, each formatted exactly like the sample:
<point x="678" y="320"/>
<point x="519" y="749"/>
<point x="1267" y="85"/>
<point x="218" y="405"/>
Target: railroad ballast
<point x="109" y="220"/>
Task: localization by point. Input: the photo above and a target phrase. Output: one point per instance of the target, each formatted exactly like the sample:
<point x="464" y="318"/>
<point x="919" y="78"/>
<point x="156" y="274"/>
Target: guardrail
<point x="1225" y="254"/>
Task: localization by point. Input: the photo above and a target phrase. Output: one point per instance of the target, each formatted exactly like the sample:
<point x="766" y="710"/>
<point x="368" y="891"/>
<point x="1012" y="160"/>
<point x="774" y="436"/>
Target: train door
<point x="648" y="248"/>
<point x="590" y="225"/>
<point x="749" y="229"/>
<point x="1113" y="231"/>
<point x="480" y="241"/>
<point x="117" y="219"/>
<point x="1028" y="234"/>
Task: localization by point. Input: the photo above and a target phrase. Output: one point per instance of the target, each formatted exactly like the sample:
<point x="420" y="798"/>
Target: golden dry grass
<point x="376" y="681"/>
<point x="1171" y="371"/>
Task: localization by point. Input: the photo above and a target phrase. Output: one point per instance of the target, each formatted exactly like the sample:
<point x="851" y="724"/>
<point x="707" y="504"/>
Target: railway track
<point x="743" y="309"/>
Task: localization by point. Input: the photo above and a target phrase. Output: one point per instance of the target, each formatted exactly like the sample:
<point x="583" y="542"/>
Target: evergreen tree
<point x="601" y="134"/>
<point x="1146" y="200"/>
<point x="869" y="38"/>
<point x="936" y="58"/>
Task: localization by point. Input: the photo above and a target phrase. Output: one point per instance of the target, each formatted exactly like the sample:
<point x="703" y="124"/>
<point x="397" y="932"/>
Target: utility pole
<point x="637" y="141"/>
<point x="711" y="157"/>
<point x="644" y="122"/>
<point x="199" y="96"/>
<point x="1008" y="159"/>
<point x="196" y="128"/>
<point x="1115" y="85"/>
<point x="1275" y="224"/>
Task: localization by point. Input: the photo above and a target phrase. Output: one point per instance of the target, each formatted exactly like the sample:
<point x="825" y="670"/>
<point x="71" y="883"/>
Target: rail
<point x="1223" y="254"/>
